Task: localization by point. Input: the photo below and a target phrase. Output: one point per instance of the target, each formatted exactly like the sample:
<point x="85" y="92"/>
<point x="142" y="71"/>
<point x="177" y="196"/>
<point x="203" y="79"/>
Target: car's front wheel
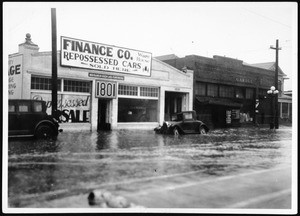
<point x="202" y="130"/>
<point x="45" y="132"/>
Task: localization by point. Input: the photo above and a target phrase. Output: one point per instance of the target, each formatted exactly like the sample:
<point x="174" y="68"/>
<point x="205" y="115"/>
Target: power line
<point x="267" y="18"/>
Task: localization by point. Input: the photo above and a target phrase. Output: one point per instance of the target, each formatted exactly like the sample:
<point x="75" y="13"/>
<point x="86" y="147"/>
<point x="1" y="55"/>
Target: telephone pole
<point x="276" y="123"/>
<point x="54" y="63"/>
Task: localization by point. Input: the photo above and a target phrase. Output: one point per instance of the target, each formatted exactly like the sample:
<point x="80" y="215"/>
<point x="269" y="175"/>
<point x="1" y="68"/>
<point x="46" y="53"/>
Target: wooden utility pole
<point x="54" y="63"/>
<point x="276" y="123"/>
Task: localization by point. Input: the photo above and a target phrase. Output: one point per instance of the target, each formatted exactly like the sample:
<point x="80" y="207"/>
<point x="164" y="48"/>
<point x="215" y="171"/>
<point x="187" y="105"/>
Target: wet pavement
<point x="136" y="163"/>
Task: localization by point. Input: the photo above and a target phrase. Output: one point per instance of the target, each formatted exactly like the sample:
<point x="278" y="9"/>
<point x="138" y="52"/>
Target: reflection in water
<point x="31" y="146"/>
<point x="85" y="159"/>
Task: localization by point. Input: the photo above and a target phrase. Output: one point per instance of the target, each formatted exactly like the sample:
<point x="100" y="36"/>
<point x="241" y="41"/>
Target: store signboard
<point x="106" y="89"/>
<point x="106" y="76"/>
<point x="71" y="108"/>
<point x="15" y="77"/>
<point x="103" y="57"/>
<point x="228" y="116"/>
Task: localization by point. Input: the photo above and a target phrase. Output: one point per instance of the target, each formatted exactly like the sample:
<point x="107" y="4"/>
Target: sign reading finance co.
<point x="90" y="55"/>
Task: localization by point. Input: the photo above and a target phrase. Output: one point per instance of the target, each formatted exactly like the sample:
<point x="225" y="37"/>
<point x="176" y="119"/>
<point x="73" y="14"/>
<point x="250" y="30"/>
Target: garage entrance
<point x="174" y="103"/>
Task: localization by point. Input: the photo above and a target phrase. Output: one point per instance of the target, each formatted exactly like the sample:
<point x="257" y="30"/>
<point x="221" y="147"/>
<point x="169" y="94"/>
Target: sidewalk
<point x="260" y="189"/>
<point x="263" y="189"/>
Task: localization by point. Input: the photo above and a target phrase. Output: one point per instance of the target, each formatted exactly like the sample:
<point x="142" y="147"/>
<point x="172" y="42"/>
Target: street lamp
<point x="273" y="92"/>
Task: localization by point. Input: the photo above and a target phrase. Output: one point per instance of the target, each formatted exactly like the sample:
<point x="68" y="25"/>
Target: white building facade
<point x="101" y="87"/>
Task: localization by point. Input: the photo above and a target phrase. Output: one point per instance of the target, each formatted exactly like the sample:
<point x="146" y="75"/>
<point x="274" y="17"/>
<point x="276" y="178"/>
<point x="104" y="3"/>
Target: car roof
<point x="186" y="112"/>
<point x="23" y="100"/>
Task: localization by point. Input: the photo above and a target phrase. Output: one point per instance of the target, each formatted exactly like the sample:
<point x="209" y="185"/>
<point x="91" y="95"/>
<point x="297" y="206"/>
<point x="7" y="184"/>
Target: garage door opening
<point x="175" y="102"/>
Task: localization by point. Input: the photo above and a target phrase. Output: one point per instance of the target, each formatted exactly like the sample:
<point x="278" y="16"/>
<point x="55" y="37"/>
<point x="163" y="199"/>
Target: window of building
<point x="77" y="86"/>
<point x="200" y="88"/>
<point x="137" y="110"/>
<point x="239" y="93"/>
<point x="128" y="90"/>
<point x="212" y="90"/>
<point x="285" y="108"/>
<point x="279" y="86"/>
<point x="249" y="93"/>
<point x="262" y="92"/>
<point x="226" y="91"/>
<point x="148" y="92"/>
<point x="44" y="83"/>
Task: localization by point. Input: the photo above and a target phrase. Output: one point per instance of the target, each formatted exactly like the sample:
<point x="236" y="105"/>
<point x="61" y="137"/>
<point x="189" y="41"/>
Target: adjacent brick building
<point x="229" y="92"/>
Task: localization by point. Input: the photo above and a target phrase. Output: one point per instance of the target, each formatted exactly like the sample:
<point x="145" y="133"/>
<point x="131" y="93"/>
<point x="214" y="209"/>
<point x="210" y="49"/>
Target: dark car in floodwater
<point x="183" y="123"/>
<point x="29" y="118"/>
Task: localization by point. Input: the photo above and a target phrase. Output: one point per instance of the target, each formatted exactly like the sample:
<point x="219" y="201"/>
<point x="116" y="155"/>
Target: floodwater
<point x="80" y="161"/>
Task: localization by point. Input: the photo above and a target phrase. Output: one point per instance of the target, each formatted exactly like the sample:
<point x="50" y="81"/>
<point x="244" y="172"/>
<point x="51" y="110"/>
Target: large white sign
<point x="85" y="54"/>
<point x="15" y="77"/>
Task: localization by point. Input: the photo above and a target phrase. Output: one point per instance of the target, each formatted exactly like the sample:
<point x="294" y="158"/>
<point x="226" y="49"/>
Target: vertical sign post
<point x="276" y="87"/>
<point x="276" y="116"/>
<point x="54" y="63"/>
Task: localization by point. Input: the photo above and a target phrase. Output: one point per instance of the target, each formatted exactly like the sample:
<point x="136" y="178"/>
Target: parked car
<point x="29" y="118"/>
<point x="183" y="123"/>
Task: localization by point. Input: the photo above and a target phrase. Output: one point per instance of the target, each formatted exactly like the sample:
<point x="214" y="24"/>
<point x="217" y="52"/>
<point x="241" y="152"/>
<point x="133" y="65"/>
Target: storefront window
<point x="239" y="93"/>
<point x="262" y="92"/>
<point x="128" y="90"/>
<point x="279" y="86"/>
<point x="226" y="91"/>
<point x="137" y="110"/>
<point x="212" y="90"/>
<point x="200" y="88"/>
<point x="249" y="93"/>
<point x="43" y="83"/>
<point x="149" y="92"/>
<point x="76" y="86"/>
<point x="285" y="109"/>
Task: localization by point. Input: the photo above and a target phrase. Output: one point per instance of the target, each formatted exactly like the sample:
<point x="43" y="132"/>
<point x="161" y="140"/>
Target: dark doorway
<point x="173" y="103"/>
<point x="102" y="115"/>
<point x="219" y="116"/>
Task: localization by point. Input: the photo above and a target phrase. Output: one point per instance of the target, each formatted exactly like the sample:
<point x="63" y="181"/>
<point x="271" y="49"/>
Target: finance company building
<point x="101" y="86"/>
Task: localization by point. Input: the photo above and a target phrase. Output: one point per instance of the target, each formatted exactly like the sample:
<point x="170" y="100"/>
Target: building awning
<point x="219" y="102"/>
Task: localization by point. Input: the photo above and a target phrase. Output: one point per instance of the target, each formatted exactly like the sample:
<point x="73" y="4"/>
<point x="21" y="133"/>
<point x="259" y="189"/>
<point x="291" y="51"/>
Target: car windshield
<point x="37" y="106"/>
<point x="188" y="116"/>
<point x="177" y="117"/>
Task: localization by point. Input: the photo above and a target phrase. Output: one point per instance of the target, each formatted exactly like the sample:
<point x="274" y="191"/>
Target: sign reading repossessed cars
<point x="91" y="55"/>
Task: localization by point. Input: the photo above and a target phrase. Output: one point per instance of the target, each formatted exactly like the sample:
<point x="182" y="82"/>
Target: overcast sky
<point x="243" y="31"/>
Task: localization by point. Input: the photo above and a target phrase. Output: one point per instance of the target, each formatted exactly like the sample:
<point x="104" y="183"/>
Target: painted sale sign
<point x="91" y="55"/>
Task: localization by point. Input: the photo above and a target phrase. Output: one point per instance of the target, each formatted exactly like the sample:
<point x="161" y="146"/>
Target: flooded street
<point x="78" y="162"/>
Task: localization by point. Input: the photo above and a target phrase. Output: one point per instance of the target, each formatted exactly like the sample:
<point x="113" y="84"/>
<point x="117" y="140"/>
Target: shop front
<point x="103" y="87"/>
<point x="227" y="91"/>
